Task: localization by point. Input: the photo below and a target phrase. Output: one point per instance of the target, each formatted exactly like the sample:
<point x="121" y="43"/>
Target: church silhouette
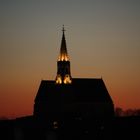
<point x="67" y="98"/>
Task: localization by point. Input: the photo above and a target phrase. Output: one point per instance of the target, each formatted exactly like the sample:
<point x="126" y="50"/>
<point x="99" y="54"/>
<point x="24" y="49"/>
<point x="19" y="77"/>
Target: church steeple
<point x="63" y="50"/>
<point x="63" y="63"/>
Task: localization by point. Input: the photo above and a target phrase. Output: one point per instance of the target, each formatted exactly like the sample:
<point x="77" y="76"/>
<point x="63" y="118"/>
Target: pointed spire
<point x="63" y="50"/>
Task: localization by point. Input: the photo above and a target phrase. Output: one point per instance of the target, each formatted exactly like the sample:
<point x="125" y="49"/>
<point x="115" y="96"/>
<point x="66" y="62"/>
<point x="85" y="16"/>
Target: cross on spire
<point x="63" y="29"/>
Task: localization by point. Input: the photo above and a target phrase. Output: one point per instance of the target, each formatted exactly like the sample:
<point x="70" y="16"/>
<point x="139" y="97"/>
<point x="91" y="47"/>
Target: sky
<point x="103" y="40"/>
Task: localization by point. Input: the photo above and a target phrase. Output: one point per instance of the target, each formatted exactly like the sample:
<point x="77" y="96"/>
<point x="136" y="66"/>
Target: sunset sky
<point x="103" y="40"/>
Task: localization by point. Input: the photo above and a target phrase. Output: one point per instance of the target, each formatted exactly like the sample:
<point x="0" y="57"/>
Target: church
<point x="71" y="98"/>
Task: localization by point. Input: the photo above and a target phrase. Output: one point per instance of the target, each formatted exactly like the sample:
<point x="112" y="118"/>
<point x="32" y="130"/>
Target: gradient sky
<point x="103" y="40"/>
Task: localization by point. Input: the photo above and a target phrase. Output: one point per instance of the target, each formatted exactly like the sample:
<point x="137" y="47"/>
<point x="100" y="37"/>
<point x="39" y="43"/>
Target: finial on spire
<point x="63" y="29"/>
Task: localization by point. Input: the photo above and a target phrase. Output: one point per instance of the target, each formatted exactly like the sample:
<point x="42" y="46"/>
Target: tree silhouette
<point x="119" y="111"/>
<point x="129" y="112"/>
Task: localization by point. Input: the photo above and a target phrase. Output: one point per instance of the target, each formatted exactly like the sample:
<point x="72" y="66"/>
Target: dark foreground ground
<point x="28" y="128"/>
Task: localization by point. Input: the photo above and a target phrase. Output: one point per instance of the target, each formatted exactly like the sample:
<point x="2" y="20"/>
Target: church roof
<point x="81" y="90"/>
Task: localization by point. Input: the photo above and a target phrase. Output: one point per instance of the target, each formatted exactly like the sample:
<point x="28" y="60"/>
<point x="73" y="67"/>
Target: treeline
<point x="118" y="112"/>
<point x="129" y="112"/>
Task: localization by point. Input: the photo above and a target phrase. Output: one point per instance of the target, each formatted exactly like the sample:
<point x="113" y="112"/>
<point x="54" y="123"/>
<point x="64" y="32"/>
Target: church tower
<point x="63" y="64"/>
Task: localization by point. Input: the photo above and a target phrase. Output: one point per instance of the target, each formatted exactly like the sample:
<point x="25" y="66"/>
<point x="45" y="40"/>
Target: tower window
<point x="55" y="124"/>
<point x="67" y="79"/>
<point x="63" y="57"/>
<point x="58" y="80"/>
